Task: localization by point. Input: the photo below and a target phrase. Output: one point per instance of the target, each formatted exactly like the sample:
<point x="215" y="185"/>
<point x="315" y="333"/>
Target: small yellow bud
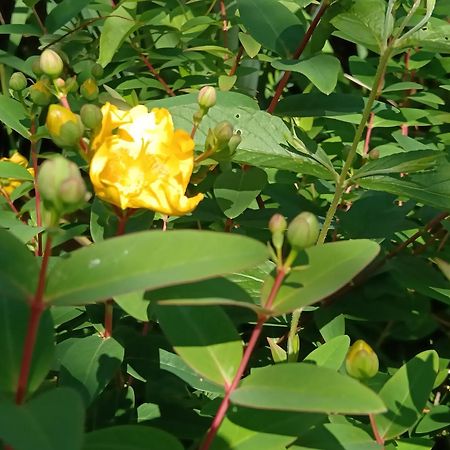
<point x="91" y="116"/>
<point x="65" y="127"/>
<point x="71" y="84"/>
<point x="51" y="63"/>
<point x="361" y="361"/>
<point x="303" y="231"/>
<point x="89" y="89"/>
<point x="374" y="154"/>
<point x="17" y="82"/>
<point x="40" y="93"/>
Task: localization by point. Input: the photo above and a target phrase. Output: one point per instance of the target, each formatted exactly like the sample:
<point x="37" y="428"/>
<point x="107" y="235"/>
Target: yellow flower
<point x="7" y="185"/>
<point x="140" y="161"/>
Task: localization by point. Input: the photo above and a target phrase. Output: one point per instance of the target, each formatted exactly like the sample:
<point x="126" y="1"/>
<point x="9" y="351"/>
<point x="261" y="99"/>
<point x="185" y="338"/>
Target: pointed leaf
<point x="331" y="354"/>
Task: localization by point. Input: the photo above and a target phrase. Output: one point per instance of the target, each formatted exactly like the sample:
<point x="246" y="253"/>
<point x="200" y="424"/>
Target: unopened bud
<point x="374" y="154"/>
<point x="277" y="224"/>
<point x="233" y="143"/>
<point x="40" y="93"/>
<point x="223" y="132"/>
<point x="303" y="231"/>
<point x="89" y="89"/>
<point x="71" y="84"/>
<point x="91" y="116"/>
<point x="36" y="66"/>
<point x="60" y="83"/>
<point x="361" y="361"/>
<point x="207" y="97"/>
<point x="51" y="63"/>
<point x="97" y="71"/>
<point x="64" y="126"/>
<point x="17" y="82"/>
<point x="61" y="186"/>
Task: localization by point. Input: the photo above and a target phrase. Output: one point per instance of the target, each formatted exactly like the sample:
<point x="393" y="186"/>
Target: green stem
<point x="340" y="186"/>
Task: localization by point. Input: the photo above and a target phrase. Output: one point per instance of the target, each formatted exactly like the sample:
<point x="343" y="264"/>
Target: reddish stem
<point x="37" y="194"/>
<point x="260" y="202"/>
<point x="228" y="225"/>
<point x="297" y="54"/>
<point x="109" y="309"/>
<point x="368" y="133"/>
<point x="236" y="61"/>
<point x="256" y="333"/>
<point x="193" y="131"/>
<point x="153" y="71"/>
<point x="223" y="15"/>
<point x="37" y="307"/>
<point x="376" y="433"/>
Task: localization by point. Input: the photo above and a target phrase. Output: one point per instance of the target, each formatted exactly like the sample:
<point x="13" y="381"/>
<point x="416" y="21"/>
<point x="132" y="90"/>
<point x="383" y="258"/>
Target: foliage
<point x="220" y="328"/>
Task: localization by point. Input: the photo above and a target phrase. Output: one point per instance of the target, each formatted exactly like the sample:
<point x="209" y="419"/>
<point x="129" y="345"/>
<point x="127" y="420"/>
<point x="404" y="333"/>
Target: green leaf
<point x="336" y="436"/>
<point x="331" y="354"/>
<point x="362" y="24"/>
<point x="305" y="387"/>
<point x="322" y="70"/>
<point x="432" y="189"/>
<point x="437" y="418"/>
<point x="18" y="28"/>
<point x="12" y="113"/>
<point x="236" y="189"/>
<point x="148" y="260"/>
<point x="32" y="425"/>
<point x="205" y="338"/>
<point x="275" y="26"/>
<point x="89" y="365"/>
<point x="232" y="436"/>
<point x="319" y="105"/>
<point x="130" y="437"/>
<point x="227" y="82"/>
<point x="406" y="393"/>
<point x="14" y="317"/>
<point x="63" y="13"/>
<point x="11" y="170"/>
<point x="415" y="161"/>
<point x="115" y="30"/>
<point x="329" y="267"/>
<point x="251" y="47"/>
<point x="18" y="269"/>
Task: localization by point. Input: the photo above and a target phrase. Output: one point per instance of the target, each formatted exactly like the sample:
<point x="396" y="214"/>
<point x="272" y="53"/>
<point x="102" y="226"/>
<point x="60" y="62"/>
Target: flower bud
<point x="207" y="97"/>
<point x="71" y="84"/>
<point x="36" y="66"/>
<point x="91" y="116"/>
<point x="303" y="231"/>
<point x="234" y="142"/>
<point x="64" y="126"/>
<point x="61" y="186"/>
<point x="51" y="63"/>
<point x="60" y="83"/>
<point x="17" y="82"/>
<point x="277" y="224"/>
<point x="40" y="93"/>
<point x="89" y="89"/>
<point x="374" y="154"/>
<point x="361" y="361"/>
<point x="97" y="71"/>
<point x="223" y="132"/>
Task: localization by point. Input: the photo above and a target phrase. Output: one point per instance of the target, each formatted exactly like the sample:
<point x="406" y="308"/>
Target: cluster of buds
<point x="221" y="142"/>
<point x="302" y="232"/>
<point x="62" y="187"/>
<point x="361" y="361"/>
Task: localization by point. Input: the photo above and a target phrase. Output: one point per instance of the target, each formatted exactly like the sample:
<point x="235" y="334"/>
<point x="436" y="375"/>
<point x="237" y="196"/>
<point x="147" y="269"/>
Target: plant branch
<point x="37" y="308"/>
<point x="153" y="71"/>
<point x="340" y="185"/>
<point x="37" y="194"/>
<point x="307" y="36"/>
<point x="236" y="61"/>
<point x="223" y="16"/>
<point x="376" y="433"/>
<point x="256" y="333"/>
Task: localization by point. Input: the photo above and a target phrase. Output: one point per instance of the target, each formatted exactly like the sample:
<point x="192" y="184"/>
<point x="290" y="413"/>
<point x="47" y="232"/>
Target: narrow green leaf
<point x="12" y="113"/>
<point x="32" y="425"/>
<point x="437" y="418"/>
<point x="24" y="29"/>
<point x="329" y="267"/>
<point x="15" y="171"/>
<point x="115" y="30"/>
<point x="148" y="260"/>
<point x="406" y="393"/>
<point x="251" y="47"/>
<point x="89" y="364"/>
<point x="63" y="13"/>
<point x="308" y="388"/>
<point x="205" y="338"/>
<point x="131" y="437"/>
